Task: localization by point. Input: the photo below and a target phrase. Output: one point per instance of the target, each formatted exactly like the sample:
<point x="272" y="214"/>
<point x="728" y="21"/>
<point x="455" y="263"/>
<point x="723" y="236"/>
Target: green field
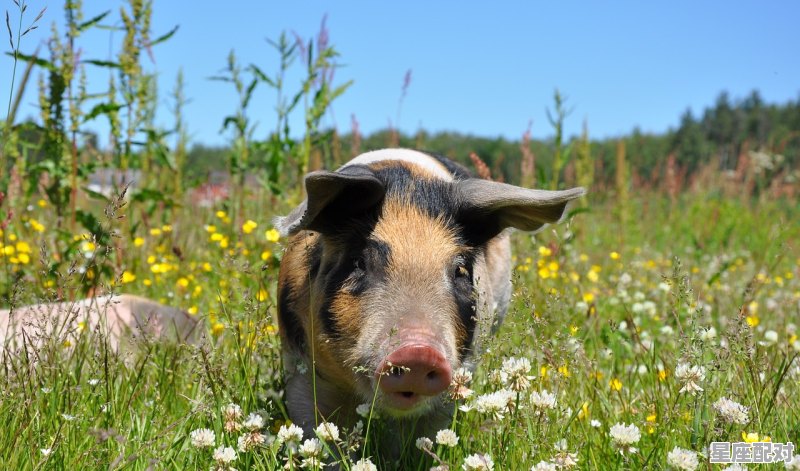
<point x="606" y="308"/>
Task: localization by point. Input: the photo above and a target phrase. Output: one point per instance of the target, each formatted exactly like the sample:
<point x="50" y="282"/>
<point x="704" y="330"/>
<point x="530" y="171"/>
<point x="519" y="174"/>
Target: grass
<point x="604" y="314"/>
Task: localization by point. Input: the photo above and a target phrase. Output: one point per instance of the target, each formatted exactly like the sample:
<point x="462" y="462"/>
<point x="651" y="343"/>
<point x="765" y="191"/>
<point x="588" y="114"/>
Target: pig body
<point x="118" y="318"/>
<point x="397" y="270"/>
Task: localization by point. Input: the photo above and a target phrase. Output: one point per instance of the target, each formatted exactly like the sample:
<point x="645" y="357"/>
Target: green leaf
<point x="96" y="195"/>
<point x="90" y="222"/>
<point x="36" y="60"/>
<point x="262" y="76"/>
<point x="148" y="194"/>
<point x="101" y="108"/>
<point x="88" y="24"/>
<point x="165" y="37"/>
<point x="99" y="63"/>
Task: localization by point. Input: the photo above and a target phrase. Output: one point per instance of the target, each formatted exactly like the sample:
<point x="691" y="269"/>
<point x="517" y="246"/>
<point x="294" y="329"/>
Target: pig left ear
<point x="499" y="205"/>
<point x="332" y="198"/>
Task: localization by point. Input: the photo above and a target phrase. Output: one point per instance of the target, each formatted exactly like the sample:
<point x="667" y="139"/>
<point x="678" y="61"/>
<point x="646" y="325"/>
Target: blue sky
<point x="485" y="68"/>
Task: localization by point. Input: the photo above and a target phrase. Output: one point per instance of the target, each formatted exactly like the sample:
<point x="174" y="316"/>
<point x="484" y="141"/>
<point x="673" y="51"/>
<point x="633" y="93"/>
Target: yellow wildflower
<point x="217" y="328"/>
<point x="138" y="242"/>
<point x="615" y="384"/>
<point x="262" y="295"/>
<point x="272" y="235"/>
<point x="36" y="225"/>
<point x="128" y="277"/>
<point x="155" y="232"/>
<point x="584" y="412"/>
<point x="249" y="226"/>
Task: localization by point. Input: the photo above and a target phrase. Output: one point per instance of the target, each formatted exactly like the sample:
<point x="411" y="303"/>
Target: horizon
<point x="621" y="67"/>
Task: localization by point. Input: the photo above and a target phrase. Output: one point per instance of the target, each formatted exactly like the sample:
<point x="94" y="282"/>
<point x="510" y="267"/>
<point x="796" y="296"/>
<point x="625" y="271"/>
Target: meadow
<point x="647" y="323"/>
<point x="661" y="316"/>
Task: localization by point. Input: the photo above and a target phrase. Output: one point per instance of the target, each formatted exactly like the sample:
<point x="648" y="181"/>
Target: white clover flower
<point x="690" y="376"/>
<point x="771" y="337"/>
<point x="46" y="451"/>
<point x="363" y="409"/>
<point x="424" y="443"/>
<point x="650" y="307"/>
<point x="514" y="373"/>
<point x="311" y="448"/>
<point x="478" y="462"/>
<point x="93" y="382"/>
<point x="595" y="423"/>
<point x="254" y="422"/>
<point x="625" y="278"/>
<point x="664" y="287"/>
<point x="734" y="467"/>
<point x="202" y="438"/>
<point x="231" y="415"/>
<point x="707" y="335"/>
<point x="623" y="436"/>
<point x="680" y="458"/>
<point x="543" y="400"/>
<point x="458" y="386"/>
<point x="731" y="411"/>
<point x="328" y="432"/>
<point x="232" y="412"/>
<point x="290" y="435"/>
<point x="224" y="455"/>
<point x="364" y="464"/>
<point x="544" y="466"/>
<point x="312" y="462"/>
<point x="794" y="464"/>
<point x="250" y="440"/>
<point x="565" y="460"/>
<point x="496" y="403"/>
<point x="447" y="437"/>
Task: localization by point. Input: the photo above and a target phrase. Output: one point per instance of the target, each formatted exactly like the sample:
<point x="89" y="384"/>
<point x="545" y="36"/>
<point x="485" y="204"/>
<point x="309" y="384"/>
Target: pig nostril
<point x="432" y="376"/>
<point x="407" y="394"/>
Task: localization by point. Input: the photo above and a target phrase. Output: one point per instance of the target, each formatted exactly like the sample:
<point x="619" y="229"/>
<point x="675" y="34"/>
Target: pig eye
<point x="462" y="271"/>
<point x="359" y="264"/>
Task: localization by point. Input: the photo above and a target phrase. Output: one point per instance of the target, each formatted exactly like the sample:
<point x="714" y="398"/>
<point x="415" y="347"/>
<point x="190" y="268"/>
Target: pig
<point x="396" y="269"/>
<point x="119" y="317"/>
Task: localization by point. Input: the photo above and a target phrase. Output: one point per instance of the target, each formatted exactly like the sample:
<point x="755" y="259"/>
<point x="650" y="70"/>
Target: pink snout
<point x="412" y="372"/>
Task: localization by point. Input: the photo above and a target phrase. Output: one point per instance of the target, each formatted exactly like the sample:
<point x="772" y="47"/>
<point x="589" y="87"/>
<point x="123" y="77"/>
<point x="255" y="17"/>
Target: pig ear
<point x="498" y="205"/>
<point x="333" y="197"/>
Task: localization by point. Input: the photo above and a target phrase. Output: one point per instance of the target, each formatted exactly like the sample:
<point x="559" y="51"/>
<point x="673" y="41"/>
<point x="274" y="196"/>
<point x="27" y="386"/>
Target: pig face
<point x="393" y="275"/>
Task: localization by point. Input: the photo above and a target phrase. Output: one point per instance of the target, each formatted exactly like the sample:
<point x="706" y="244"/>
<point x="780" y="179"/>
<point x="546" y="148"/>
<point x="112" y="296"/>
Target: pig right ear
<point x="332" y="198"/>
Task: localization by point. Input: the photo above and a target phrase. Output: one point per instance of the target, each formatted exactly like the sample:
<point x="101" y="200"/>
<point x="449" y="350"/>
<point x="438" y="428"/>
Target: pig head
<point x="397" y="269"/>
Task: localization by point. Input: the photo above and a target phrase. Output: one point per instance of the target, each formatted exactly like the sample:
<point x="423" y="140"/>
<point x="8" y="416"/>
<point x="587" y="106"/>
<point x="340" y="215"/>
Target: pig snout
<point x="411" y="373"/>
